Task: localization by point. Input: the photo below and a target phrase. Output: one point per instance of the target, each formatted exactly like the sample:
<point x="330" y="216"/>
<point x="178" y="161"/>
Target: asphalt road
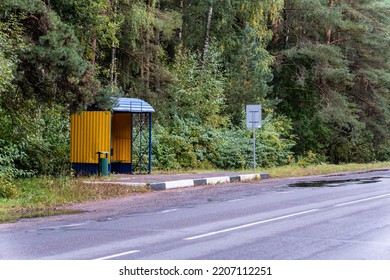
<point x="346" y="218"/>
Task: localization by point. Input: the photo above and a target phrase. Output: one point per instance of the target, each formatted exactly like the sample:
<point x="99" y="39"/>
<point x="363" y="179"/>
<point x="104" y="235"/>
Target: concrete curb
<point x="206" y="181"/>
<point x="129" y="184"/>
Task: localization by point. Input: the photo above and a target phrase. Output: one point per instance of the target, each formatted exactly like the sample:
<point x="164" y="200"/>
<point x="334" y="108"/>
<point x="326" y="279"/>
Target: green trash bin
<point x="103" y="164"/>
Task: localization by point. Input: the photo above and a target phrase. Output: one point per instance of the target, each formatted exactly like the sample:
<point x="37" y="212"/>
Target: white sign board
<point x="253" y="116"/>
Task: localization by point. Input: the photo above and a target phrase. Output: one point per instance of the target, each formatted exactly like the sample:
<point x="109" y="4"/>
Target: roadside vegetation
<point x="311" y="170"/>
<point x="46" y="196"/>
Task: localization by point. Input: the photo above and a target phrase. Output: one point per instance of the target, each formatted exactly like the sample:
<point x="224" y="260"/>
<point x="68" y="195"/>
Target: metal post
<point x="140" y="144"/>
<point x="253" y="121"/>
<point x="99" y="164"/>
<point x="150" y="143"/>
<point x="254" y="141"/>
<point x="132" y="144"/>
<point x="140" y="140"/>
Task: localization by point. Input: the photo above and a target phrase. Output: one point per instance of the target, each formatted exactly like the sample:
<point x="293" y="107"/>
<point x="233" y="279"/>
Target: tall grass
<point x="296" y="170"/>
<point x="44" y="196"/>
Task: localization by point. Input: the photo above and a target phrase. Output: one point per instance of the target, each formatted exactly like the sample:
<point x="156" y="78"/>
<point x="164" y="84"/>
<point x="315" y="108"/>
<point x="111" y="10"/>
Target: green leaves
<point x="11" y="43"/>
<point x="44" y="148"/>
<point x="331" y="75"/>
<point x="186" y="144"/>
<point x="7" y="64"/>
<point x="197" y="93"/>
<point x="51" y="68"/>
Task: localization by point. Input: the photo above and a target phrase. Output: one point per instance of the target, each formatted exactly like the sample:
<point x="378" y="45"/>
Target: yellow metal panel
<point x="121" y="137"/>
<point x="89" y="134"/>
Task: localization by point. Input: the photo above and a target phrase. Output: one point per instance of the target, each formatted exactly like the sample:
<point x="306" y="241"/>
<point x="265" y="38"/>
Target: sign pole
<point x="254" y="141"/>
<point x="253" y="121"/>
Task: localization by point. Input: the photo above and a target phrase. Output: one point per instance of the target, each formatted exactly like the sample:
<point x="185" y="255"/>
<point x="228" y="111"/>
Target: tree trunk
<point x="93" y="58"/>
<point x="244" y="77"/>
<point x="113" y="78"/>
<point x="147" y="60"/>
<point x="275" y="30"/>
<point x="181" y="27"/>
<point x="207" y="36"/>
<point x="156" y="77"/>
<point x="286" y="29"/>
<point x="147" y="51"/>
<point x="329" y="32"/>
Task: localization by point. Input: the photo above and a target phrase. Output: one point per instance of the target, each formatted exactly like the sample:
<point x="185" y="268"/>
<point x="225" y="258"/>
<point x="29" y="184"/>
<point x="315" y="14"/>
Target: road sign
<point x="253" y="121"/>
<point x="253" y="116"/>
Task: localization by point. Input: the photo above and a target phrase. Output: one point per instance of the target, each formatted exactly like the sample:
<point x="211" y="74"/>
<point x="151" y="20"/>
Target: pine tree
<point x="329" y="79"/>
<point x="52" y="68"/>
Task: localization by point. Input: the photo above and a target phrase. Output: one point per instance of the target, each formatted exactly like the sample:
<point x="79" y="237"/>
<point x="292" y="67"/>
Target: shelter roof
<point x="132" y="105"/>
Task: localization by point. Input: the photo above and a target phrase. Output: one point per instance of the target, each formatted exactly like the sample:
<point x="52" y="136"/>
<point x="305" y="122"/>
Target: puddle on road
<point x="336" y="183"/>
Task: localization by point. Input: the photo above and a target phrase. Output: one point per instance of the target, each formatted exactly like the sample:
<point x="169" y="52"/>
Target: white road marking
<point x="234" y="200"/>
<point x="73" y="225"/>
<point x="362" y="200"/>
<point x="63" y="226"/>
<point x="250" y="224"/>
<point x="117" y="255"/>
<point x="170" y="210"/>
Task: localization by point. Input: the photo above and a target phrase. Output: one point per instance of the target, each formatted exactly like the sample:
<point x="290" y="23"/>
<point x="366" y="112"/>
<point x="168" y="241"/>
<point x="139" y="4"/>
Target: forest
<point x="319" y="68"/>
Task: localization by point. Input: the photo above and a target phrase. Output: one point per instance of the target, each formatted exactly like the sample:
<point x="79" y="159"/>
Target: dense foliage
<point x="319" y="68"/>
<point x="332" y="76"/>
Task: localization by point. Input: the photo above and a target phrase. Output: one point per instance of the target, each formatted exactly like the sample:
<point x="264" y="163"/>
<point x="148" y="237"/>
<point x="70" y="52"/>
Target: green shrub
<point x="184" y="145"/>
<point x="7" y="188"/>
<point x="9" y="155"/>
<point x="233" y="149"/>
<point x="311" y="159"/>
<point x="35" y="141"/>
<point x="187" y="144"/>
<point x="275" y="141"/>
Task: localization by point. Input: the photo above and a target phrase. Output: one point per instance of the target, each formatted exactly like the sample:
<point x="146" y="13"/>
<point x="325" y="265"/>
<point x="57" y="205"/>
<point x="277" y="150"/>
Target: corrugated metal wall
<point x="121" y="137"/>
<point x="90" y="133"/>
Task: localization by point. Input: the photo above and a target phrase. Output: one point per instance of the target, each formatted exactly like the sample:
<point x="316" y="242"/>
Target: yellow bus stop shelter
<point x="123" y="134"/>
